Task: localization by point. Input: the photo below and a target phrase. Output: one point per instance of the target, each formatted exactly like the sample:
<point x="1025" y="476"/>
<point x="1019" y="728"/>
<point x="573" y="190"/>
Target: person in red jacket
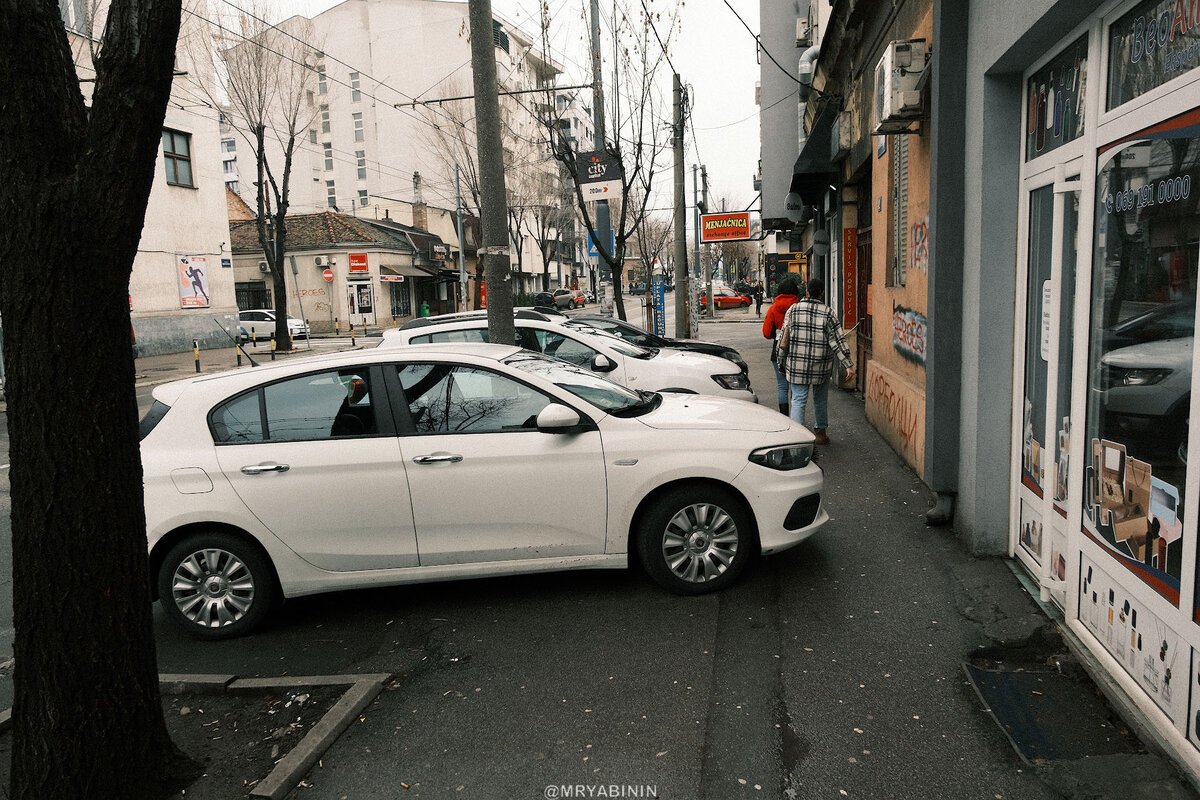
<point x="786" y="293"/>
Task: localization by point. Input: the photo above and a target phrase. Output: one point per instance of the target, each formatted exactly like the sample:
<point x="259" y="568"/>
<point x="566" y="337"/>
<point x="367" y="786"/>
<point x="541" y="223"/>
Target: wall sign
<point x="358" y="263"/>
<point x="1055" y="98"/>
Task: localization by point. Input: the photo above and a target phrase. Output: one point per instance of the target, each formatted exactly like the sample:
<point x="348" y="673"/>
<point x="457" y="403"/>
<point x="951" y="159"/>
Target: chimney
<point x="420" y="210"/>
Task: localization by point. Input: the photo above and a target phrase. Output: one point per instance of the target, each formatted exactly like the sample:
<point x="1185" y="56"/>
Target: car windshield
<point x="586" y="385"/>
<point x="625" y="348"/>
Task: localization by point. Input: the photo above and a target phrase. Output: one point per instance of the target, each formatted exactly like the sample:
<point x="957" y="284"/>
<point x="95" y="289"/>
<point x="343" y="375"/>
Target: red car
<point x="726" y="298"/>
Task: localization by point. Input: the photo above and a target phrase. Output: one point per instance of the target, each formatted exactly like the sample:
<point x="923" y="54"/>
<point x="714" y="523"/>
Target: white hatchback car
<point x="621" y="361"/>
<point x="380" y="467"/>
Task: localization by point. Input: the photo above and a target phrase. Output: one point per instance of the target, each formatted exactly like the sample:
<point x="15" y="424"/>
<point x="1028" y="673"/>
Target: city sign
<point x="599" y="175"/>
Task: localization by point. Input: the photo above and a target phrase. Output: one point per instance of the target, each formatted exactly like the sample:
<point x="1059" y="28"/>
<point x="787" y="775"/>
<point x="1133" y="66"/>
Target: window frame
<point x="173" y="158"/>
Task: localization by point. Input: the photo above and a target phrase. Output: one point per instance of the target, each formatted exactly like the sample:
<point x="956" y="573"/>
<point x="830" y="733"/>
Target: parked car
<point x="1147" y="388"/>
<point x="1171" y="320"/>
<point x="623" y="362"/>
<point x="260" y="323"/>
<point x="569" y="298"/>
<point x="544" y="300"/>
<point x="632" y="333"/>
<point x="725" y="298"/>
<point x="334" y="472"/>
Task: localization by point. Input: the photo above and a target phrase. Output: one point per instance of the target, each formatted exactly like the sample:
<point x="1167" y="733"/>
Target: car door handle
<point x="438" y="458"/>
<point x="258" y="469"/>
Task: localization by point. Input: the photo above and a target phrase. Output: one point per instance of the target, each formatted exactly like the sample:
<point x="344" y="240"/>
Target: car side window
<point x="446" y="399"/>
<point x="468" y="335"/>
<point x="325" y="405"/>
<point x="557" y="345"/>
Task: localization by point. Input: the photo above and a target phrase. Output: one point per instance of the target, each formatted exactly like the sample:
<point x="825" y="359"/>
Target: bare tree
<point x="267" y="74"/>
<point x="653" y="238"/>
<point x="637" y="139"/>
<point x="87" y="716"/>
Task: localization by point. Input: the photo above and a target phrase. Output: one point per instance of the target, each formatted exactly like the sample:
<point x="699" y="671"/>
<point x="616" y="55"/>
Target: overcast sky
<point x="716" y="58"/>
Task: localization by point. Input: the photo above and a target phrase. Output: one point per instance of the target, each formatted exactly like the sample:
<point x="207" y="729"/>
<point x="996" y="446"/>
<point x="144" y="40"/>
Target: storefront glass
<point x="1147" y="238"/>
<point x="1154" y="42"/>
<point x="1056" y="94"/>
<point x="1041" y="246"/>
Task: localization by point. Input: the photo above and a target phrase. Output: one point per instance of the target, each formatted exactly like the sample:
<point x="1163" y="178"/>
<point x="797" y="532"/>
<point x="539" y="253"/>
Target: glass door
<point x="1044" y="427"/>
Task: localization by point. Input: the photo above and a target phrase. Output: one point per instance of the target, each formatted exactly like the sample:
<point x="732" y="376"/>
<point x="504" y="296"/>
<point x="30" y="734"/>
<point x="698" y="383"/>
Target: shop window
<point x="1140" y="355"/>
<point x="177" y="157"/>
<point x="1156" y="41"/>
<point x="1055" y="101"/>
<point x="401" y="301"/>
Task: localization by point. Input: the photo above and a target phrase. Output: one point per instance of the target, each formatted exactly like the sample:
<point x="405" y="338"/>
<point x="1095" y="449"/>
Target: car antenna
<point x="236" y="344"/>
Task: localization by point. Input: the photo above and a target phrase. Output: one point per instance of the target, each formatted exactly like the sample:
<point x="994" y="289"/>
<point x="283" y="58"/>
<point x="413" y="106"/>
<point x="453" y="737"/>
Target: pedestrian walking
<point x="814" y="338"/>
<point x="786" y="294"/>
<point x="758" y="298"/>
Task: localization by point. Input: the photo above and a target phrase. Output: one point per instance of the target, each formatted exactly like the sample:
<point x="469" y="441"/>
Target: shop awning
<point x="814" y="170"/>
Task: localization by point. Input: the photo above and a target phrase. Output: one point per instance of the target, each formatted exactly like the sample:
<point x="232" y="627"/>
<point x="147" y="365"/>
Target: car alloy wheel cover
<point x="212" y="588"/>
<point x="700" y="542"/>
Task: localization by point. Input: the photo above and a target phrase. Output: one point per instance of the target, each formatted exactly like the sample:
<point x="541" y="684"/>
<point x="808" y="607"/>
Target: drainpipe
<point x="805" y="70"/>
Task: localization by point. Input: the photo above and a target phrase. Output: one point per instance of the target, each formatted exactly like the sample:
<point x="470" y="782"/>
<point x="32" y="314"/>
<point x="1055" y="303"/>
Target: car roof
<point x="522" y="312"/>
<point x="235" y="380"/>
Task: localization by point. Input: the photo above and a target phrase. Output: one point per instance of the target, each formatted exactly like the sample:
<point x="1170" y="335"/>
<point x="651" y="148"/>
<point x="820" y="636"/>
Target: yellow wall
<point x="895" y="391"/>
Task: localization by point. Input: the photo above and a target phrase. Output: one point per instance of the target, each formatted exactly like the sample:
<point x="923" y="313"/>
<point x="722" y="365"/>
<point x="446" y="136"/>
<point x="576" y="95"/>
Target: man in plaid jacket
<point x="814" y="338"/>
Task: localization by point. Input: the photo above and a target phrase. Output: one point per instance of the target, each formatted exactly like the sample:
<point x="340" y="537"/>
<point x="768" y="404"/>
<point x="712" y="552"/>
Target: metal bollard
<point x="196" y="353"/>
<point x="237" y="347"/>
<point x="337" y="327"/>
<point x="272" y="348"/>
<point x="352" y="334"/>
<point x="253" y="338"/>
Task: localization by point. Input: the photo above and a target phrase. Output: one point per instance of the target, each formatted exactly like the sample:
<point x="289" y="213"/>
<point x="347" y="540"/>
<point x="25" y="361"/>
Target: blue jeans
<point x="782" y="383"/>
<point x="820" y="396"/>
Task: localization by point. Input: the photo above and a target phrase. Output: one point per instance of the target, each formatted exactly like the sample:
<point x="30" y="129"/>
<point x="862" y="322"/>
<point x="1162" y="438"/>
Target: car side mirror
<point x="557" y="418"/>
<point x="602" y="363"/>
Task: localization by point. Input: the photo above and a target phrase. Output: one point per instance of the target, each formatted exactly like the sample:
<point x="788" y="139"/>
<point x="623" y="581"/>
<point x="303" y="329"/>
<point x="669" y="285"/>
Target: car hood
<point x="709" y="412"/>
<point x="689" y="360"/>
<point x="1173" y="353"/>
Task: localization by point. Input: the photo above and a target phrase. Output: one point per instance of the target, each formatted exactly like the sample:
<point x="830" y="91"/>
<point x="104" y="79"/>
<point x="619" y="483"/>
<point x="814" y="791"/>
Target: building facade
<point x="1020" y="180"/>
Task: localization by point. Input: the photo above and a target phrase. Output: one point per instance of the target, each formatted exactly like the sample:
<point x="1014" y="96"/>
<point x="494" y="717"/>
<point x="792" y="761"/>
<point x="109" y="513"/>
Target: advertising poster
<point x="193" y="282"/>
<point x="1144" y="646"/>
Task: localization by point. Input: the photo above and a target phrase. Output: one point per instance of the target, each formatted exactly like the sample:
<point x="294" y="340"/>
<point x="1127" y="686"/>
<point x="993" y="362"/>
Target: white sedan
<point x="426" y="463"/>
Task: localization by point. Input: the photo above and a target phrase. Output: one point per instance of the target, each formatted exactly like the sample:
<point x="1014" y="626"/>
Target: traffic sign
<point x="327" y="275"/>
<point x="594" y="251"/>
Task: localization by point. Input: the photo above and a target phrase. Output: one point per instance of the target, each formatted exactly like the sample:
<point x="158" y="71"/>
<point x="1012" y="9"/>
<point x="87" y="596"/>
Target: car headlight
<point x="783" y="457"/>
<point x="1118" y="376"/>
<point x="737" y="382"/>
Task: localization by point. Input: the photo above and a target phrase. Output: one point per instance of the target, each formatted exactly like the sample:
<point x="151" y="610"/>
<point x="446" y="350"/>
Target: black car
<point x="632" y="333"/>
<point x="543" y="300"/>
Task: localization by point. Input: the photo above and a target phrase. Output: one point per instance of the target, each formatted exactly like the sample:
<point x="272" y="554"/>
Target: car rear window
<point x="152" y="418"/>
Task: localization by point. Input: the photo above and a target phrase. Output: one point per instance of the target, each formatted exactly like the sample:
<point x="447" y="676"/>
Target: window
<point x="355" y="86"/>
<point x="228" y="145"/>
<point x="229" y="166"/>
<point x="233" y="186"/>
<point x="74" y="15"/>
<point x="322" y="81"/>
<point x="362" y="197"/>
<point x="331" y="195"/>
<point x="328" y="156"/>
<point x="899" y="272"/>
<point x="441" y="337"/>
<point x="312" y="135"/>
<point x="324" y="119"/>
<point x="361" y="157"/>
<point x="177" y="157"/>
<point x="555" y="344"/>
<point x="401" y="302"/>
<point x="446" y="399"/>
<point x="358" y="127"/>
<point x="312" y="407"/>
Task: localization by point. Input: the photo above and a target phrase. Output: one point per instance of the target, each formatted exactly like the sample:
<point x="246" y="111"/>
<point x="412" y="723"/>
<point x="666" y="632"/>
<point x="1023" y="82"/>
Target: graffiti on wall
<point x="919" y="236"/>
<point x="910" y="331"/>
<point x="893" y="405"/>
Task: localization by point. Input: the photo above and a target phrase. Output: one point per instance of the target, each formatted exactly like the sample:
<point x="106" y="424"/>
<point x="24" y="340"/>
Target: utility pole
<point x="494" y="216"/>
<point x="682" y="306"/>
<point x="708" y="271"/>
<point x="603" y="219"/>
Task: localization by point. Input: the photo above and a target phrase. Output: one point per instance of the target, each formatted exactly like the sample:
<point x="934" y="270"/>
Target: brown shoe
<point x="822" y="437"/>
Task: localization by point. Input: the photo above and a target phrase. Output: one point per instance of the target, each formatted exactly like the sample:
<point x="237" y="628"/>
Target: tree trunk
<point x="87" y="718"/>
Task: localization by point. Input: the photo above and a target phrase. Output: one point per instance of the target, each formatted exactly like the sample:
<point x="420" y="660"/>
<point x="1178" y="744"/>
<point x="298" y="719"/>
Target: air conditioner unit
<point x="321" y="261"/>
<point x="897" y="85"/>
<point x="263" y="267"/>
<point x="803" y="37"/>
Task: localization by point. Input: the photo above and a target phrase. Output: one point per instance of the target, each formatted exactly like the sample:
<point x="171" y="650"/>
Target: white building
<point x="371" y="152"/>
<point x="181" y="288"/>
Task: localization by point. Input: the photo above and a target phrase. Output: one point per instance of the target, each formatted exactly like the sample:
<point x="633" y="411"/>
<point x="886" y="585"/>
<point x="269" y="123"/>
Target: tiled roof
<point x="326" y="229"/>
